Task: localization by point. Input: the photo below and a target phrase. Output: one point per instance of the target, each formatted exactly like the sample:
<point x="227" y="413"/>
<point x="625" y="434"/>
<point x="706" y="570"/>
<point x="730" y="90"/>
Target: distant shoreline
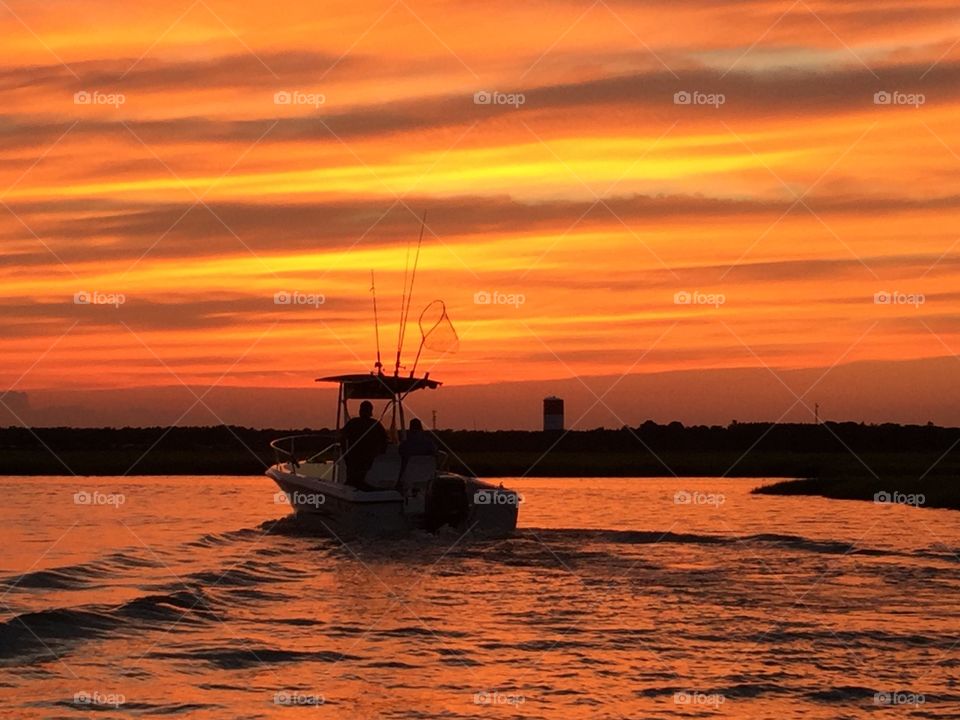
<point x="835" y="460"/>
<point x="930" y="492"/>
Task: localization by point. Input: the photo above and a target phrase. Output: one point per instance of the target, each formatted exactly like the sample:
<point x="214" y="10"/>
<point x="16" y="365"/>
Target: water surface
<point x="617" y="598"/>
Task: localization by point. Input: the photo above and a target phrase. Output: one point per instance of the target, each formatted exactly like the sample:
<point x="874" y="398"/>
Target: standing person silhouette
<point x="364" y="438"/>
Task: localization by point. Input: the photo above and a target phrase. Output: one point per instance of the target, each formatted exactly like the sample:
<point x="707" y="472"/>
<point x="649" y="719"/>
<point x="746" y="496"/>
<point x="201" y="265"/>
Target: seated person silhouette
<point x="364" y="439"/>
<point x="416" y="442"/>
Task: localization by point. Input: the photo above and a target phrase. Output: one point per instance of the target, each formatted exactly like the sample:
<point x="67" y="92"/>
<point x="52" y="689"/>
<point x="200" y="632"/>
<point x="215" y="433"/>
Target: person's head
<point x="416" y="425"/>
<point x="366" y="409"/>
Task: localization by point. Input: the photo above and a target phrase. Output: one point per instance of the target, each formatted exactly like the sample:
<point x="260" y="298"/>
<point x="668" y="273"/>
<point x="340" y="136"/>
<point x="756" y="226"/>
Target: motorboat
<point x="399" y="492"/>
<point x="402" y="495"/>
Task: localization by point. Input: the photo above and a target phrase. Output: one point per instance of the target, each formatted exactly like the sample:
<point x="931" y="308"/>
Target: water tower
<point x="552" y="413"/>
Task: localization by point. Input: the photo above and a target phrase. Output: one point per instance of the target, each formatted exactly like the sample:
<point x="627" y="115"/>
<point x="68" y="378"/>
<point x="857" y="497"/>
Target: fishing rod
<point x="403" y="296"/>
<point x="408" y="292"/>
<point x="376" y="321"/>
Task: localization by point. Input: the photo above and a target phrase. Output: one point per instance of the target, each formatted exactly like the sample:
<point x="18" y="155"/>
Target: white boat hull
<point x="477" y="505"/>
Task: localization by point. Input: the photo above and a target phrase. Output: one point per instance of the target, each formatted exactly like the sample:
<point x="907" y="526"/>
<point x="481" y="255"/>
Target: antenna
<point x="376" y="321"/>
<point x="408" y="292"/>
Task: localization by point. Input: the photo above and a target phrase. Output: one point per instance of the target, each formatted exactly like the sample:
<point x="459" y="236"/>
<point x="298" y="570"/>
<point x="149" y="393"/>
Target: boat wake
<point x="273" y="560"/>
<point x="41" y="632"/>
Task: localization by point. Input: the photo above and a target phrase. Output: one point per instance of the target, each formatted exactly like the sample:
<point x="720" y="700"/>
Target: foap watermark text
<point x="483" y="97"/>
<point x="883" y="297"/>
<point x="298" y="97"/>
<point x="684" y="497"/>
<point x="295" y="298"/>
<point x="896" y="97"/>
<point x="898" y="498"/>
<point x="695" y="297"/>
<point x="485" y="297"/>
<point x="695" y="97"/>
<point x="96" y="297"/>
<point x="95" y="97"/>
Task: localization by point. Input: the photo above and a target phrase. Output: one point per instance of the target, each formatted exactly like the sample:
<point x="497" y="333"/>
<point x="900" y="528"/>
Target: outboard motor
<point x="446" y="502"/>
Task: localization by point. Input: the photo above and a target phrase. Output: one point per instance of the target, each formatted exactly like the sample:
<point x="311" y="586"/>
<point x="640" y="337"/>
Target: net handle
<point x="424" y="335"/>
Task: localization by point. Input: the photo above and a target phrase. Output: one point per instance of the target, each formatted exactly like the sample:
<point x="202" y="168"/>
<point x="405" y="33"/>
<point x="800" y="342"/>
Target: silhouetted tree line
<point x="827" y="437"/>
<point x="176" y="438"/>
<point x="788" y="449"/>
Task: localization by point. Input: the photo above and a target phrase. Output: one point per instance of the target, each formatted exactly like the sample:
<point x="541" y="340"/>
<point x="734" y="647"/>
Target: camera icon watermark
<point x="298" y="97"/>
<point x="295" y="698"/>
<point x="483" y="97"/>
<point x="96" y="297"/>
<point x="95" y="97"/>
<point x="684" y="497"/>
<point x="99" y="699"/>
<point x="698" y="699"/>
<point x="888" y="699"/>
<point x="898" y="498"/>
<point x="295" y="298"/>
<point x="299" y="499"/>
<point x="686" y="297"/>
<point x="896" y="297"/>
<point x="897" y="98"/>
<point x="497" y="497"/>
<point x="695" y="97"/>
<point x="485" y="297"/>
<point x="85" y="497"/>
<point x="495" y="697"/>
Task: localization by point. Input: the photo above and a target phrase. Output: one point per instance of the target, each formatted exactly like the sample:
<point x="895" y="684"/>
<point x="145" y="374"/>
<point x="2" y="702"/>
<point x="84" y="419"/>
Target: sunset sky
<point x="194" y="159"/>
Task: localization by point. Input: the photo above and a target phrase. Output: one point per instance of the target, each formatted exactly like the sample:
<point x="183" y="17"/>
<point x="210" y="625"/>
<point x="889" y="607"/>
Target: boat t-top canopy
<point x="377" y="386"/>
